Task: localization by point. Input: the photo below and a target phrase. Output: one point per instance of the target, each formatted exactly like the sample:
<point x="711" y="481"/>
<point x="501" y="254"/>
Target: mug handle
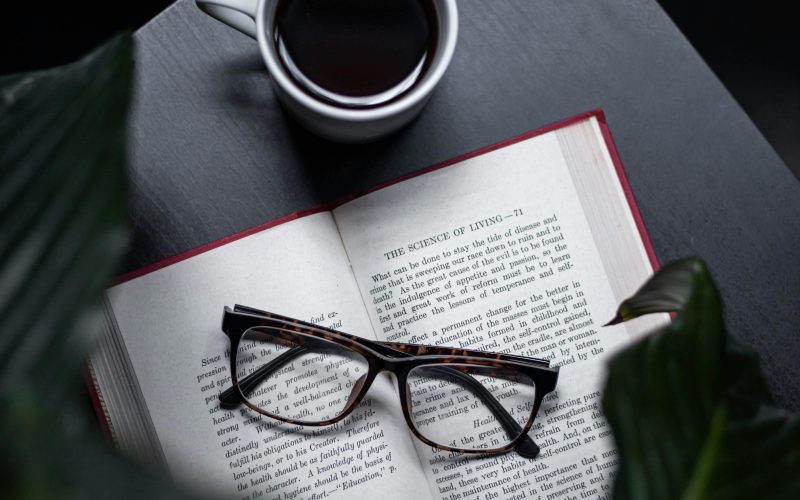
<point x="238" y="14"/>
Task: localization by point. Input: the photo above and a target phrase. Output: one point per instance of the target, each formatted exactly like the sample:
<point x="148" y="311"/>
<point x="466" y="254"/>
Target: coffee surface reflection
<point x="356" y="53"/>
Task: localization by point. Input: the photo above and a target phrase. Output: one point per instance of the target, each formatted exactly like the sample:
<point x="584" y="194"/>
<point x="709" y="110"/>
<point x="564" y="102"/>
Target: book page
<point x="497" y="253"/>
<point x="170" y="323"/>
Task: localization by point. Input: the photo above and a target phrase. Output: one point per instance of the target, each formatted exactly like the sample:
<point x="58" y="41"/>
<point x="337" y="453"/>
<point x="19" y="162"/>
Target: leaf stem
<point x="698" y="487"/>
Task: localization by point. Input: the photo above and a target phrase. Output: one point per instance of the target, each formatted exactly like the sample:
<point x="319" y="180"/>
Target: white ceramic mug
<point x="256" y="18"/>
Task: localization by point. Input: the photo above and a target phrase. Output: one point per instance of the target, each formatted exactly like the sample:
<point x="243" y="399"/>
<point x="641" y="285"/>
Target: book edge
<point x="98" y="404"/>
<point x="155" y="266"/>
<point x="622" y="176"/>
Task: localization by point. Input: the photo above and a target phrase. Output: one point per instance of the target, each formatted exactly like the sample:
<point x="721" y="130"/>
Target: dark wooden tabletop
<point x="215" y="154"/>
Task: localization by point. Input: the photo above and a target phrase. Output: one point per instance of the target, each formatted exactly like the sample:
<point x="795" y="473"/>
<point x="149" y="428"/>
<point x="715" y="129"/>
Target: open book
<point x="524" y="247"/>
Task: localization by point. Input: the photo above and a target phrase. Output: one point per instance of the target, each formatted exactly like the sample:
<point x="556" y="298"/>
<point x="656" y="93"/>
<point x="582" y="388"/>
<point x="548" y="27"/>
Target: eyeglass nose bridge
<point x="396" y="368"/>
<point x="397" y="365"/>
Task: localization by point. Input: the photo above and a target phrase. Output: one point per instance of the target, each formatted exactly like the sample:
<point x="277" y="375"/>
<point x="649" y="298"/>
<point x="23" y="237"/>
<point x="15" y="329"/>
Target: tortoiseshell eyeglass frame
<point x="394" y="357"/>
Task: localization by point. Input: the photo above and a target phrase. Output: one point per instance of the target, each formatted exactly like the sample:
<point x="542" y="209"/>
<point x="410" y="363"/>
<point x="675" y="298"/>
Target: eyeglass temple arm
<point x="229" y="398"/>
<point x="415" y="349"/>
<point x="526" y="446"/>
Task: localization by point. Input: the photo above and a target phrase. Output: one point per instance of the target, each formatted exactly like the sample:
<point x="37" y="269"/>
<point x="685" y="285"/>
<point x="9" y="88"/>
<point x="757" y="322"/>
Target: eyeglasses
<point x="452" y="399"/>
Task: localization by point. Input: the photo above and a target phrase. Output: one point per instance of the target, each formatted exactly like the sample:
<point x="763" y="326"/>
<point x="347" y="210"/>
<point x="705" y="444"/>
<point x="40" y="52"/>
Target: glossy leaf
<point x="664" y="292"/>
<point x="62" y="209"/>
<point x="691" y="414"/>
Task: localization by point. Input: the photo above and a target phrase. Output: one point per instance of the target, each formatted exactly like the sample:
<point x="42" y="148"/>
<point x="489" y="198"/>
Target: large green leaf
<point x="62" y="212"/>
<point x="691" y="414"/>
<point x="62" y="207"/>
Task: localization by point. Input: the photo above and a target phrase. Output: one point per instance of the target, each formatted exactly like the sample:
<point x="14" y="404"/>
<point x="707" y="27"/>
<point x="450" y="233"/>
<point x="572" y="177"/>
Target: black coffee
<point x="356" y="53"/>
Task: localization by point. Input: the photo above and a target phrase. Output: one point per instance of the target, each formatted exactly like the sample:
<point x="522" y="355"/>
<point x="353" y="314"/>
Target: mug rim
<point x="446" y="44"/>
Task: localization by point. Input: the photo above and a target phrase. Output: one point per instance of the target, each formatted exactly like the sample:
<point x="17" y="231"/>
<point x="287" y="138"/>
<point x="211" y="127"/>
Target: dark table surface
<point x="214" y="153"/>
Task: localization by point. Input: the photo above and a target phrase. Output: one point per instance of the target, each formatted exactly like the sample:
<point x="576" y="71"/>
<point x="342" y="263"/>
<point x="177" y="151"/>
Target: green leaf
<point x="691" y="414"/>
<point x="63" y="135"/>
<point x="62" y="207"/>
<point x="664" y="292"/>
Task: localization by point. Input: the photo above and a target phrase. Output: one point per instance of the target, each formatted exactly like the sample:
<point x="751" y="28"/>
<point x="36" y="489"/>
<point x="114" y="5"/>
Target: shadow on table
<point x="333" y="169"/>
<point x="337" y="170"/>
